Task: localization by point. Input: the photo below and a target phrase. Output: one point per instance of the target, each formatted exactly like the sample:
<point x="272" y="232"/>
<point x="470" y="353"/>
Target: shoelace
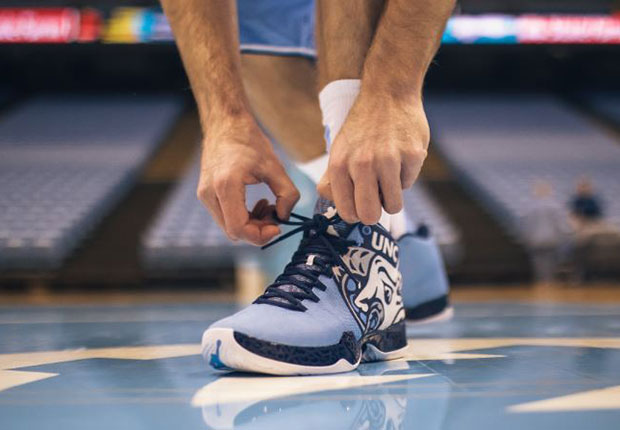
<point x="322" y="248"/>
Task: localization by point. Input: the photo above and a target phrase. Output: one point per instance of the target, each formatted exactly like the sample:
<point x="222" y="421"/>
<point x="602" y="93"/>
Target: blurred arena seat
<point x="184" y="237"/>
<point x="499" y="145"/>
<point x="606" y="104"/>
<point x="64" y="161"/>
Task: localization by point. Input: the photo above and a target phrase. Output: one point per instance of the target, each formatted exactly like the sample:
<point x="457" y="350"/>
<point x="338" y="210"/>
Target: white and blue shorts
<point x="277" y="27"/>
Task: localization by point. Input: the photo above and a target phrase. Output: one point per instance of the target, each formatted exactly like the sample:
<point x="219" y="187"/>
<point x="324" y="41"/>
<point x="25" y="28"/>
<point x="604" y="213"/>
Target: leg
<point x="282" y="94"/>
<point x="345" y="30"/>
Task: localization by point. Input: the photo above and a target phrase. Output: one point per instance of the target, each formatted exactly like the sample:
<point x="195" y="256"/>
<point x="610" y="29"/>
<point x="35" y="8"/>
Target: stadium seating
<point x="606" y="104"/>
<point x="184" y="236"/>
<point x="63" y="164"/>
<point x="499" y="145"/>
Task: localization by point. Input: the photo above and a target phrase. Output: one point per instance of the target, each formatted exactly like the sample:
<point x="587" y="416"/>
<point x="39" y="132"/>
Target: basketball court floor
<point x="501" y="364"/>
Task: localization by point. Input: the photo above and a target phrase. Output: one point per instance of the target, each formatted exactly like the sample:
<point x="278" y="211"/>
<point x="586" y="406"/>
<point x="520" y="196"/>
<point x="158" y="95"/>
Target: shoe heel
<point x="388" y="344"/>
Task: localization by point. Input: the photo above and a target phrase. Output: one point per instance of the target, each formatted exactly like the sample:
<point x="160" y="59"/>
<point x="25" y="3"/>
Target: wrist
<point x="226" y="130"/>
<point x="378" y="99"/>
<point x="223" y="121"/>
<point x="226" y="114"/>
<point x="392" y="88"/>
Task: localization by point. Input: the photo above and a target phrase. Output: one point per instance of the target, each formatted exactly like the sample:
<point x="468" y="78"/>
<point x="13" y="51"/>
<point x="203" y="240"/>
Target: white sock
<point x="400" y="224"/>
<point x="336" y="100"/>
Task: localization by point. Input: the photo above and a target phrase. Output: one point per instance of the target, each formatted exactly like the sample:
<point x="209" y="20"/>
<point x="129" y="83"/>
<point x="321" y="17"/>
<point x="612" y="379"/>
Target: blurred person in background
<point x="546" y="231"/>
<point x="585" y="206"/>
<point x="597" y="240"/>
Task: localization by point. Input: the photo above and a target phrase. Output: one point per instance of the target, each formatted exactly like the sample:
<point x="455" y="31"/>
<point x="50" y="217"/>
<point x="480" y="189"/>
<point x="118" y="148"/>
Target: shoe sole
<point x="222" y="350"/>
<point x="435" y="310"/>
<point x="445" y="315"/>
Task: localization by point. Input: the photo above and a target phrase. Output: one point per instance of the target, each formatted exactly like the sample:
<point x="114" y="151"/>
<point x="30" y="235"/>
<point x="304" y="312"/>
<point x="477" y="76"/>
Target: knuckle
<point x="418" y="154"/>
<point x="365" y="161"/>
<point x="387" y="158"/>
<point x="202" y="193"/>
<point x="362" y="166"/>
<point x="337" y="165"/>
<point x="220" y="182"/>
<point x="295" y="195"/>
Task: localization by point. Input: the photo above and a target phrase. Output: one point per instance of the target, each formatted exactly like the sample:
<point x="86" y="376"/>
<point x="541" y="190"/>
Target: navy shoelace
<point x="318" y="252"/>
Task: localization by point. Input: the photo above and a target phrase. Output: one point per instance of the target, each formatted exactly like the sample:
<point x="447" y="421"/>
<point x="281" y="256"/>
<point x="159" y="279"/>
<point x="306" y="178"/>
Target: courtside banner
<point x="568" y="29"/>
<point x="39" y="25"/>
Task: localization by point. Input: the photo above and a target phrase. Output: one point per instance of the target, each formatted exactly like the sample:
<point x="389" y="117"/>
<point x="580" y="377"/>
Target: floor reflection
<point x="375" y="397"/>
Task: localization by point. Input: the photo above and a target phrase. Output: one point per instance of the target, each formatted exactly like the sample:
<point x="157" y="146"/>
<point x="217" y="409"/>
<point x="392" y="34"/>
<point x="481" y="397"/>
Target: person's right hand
<point x="235" y="154"/>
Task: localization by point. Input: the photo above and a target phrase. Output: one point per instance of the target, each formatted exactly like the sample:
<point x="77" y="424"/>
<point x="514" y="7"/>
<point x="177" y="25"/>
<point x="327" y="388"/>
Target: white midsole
<point x="236" y="357"/>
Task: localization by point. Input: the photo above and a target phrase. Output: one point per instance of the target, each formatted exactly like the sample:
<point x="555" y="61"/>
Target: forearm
<point x="207" y="37"/>
<point x="407" y="38"/>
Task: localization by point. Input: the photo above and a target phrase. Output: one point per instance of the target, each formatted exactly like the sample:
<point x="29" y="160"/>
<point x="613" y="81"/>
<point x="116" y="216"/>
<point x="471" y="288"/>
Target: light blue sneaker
<point x="425" y="283"/>
<point x="336" y="304"/>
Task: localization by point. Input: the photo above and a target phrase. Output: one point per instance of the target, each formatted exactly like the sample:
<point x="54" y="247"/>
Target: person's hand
<point x="378" y="153"/>
<point x="236" y="154"/>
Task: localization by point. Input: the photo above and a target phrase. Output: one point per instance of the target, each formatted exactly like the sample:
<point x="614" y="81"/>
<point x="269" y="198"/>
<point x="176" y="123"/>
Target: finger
<point x="285" y="191"/>
<point x="250" y="232"/>
<point x="259" y="233"/>
<point x="324" y="188"/>
<point x="262" y="227"/>
<point x="367" y="202"/>
<point x="411" y="166"/>
<point x="409" y="172"/>
<point x="391" y="190"/>
<point x="268" y="232"/>
<point x="342" y="190"/>
<point x="231" y="197"/>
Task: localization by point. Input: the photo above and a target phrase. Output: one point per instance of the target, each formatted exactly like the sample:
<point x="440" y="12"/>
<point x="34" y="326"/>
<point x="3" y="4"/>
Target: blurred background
<point x="99" y="137"/>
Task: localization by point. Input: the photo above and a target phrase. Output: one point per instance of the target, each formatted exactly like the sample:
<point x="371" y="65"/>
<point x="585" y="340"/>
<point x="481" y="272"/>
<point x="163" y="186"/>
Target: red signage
<point x="568" y="29"/>
<point x="39" y="25"/>
<point x="90" y="25"/>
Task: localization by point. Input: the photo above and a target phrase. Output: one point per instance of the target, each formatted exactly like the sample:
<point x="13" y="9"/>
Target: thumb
<point x="285" y="191"/>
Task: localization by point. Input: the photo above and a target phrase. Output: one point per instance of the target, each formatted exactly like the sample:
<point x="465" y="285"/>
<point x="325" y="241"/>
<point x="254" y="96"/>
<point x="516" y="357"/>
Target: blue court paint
<point x="508" y="366"/>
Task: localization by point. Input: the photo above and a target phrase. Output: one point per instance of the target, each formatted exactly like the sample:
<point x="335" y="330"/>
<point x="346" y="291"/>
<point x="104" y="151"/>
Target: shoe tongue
<point x="340" y="229"/>
<point x="328" y="209"/>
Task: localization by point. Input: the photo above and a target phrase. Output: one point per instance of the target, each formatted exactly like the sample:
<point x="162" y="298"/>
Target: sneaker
<point x="425" y="283"/>
<point x="336" y="304"/>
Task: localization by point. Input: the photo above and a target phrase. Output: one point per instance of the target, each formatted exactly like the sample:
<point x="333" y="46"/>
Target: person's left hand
<point x="378" y="153"/>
